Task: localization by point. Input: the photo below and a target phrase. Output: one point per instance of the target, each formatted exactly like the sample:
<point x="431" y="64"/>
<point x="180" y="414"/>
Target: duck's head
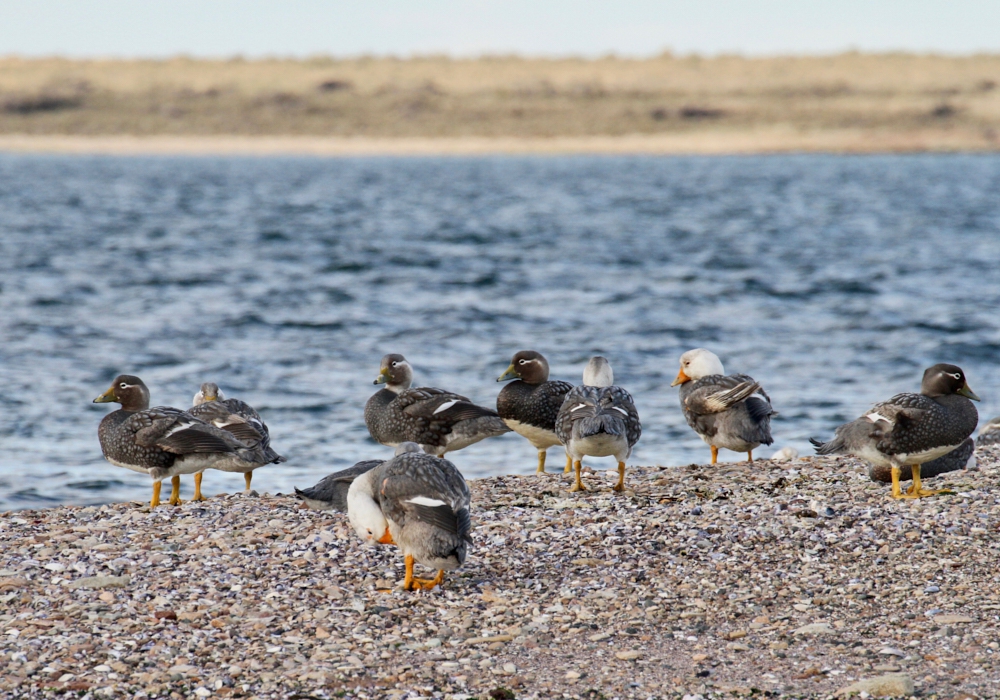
<point x="404" y="447"/>
<point x="129" y="391"/>
<point x="395" y="372"/>
<point x="209" y="392"/>
<point x="598" y="372"/>
<point x="528" y="366"/>
<point x="696" y="364"/>
<point x="944" y="379"/>
<point x="365" y="513"/>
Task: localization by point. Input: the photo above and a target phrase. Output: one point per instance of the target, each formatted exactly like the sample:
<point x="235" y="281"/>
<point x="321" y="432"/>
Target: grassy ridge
<point x="946" y="99"/>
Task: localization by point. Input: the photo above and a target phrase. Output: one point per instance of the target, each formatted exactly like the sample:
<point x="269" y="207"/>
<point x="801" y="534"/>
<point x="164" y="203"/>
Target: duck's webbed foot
<point x="578" y="486"/>
<point x="412" y="583"/>
<point x="197" y="487"/>
<point x="916" y="490"/>
<point x="620" y="486"/>
<point x="175" y="491"/>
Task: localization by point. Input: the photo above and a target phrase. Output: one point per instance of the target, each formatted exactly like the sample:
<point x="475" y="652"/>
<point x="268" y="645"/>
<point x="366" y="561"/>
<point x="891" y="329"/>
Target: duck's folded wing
<point x="416" y="489"/>
<point x="449" y="408"/>
<point x="720" y="394"/>
<point x="181" y="433"/>
<point x="333" y="488"/>
<point x="223" y="417"/>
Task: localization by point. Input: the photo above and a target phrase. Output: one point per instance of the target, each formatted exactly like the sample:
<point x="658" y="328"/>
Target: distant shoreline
<point x="740" y="142"/>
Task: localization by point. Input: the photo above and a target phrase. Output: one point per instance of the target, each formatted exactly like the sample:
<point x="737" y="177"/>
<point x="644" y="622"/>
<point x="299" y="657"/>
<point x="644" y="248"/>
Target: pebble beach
<point x="796" y="579"/>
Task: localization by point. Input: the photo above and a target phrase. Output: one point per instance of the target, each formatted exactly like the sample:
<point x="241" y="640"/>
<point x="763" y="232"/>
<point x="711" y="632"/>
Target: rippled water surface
<point x="832" y="280"/>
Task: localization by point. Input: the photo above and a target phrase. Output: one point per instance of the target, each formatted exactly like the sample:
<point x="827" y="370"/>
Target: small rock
<point x="202" y="692"/>
<point x="165" y="615"/>
<point x="736" y="634"/>
<point x="814" y="629"/>
<point x="891" y="651"/>
<point x="322" y="633"/>
<point x="628" y="655"/>
<point x="573" y="675"/>
<point x="952" y="619"/>
<point x="101" y="582"/>
<point x="698" y="658"/>
<point x="889" y="685"/>
<point x="785" y="454"/>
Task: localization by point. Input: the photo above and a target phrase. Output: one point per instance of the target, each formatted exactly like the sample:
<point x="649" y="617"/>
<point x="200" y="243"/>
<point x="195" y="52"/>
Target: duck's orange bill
<point x="681" y="378"/>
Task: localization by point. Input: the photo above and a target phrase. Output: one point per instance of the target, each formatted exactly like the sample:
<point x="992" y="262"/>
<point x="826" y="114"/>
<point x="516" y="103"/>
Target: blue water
<point x="832" y="280"/>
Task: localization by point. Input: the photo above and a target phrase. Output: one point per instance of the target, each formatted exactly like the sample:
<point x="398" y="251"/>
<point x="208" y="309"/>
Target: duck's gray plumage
<point x="962" y="457"/>
<point x="331" y="491"/>
<point x="439" y="421"/>
<point x="426" y="502"/>
<point x="245" y="424"/>
<point x="604" y="418"/>
<point x="911" y="429"/>
<point x="729" y="411"/>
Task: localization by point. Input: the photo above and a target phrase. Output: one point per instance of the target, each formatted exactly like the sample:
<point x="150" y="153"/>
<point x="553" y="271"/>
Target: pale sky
<point x="218" y="28"/>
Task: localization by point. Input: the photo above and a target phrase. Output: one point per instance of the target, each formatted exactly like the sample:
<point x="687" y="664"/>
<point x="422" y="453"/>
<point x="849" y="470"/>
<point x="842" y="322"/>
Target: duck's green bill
<point x="511" y="373"/>
<point x="968" y="393"/>
<point x="107" y="397"/>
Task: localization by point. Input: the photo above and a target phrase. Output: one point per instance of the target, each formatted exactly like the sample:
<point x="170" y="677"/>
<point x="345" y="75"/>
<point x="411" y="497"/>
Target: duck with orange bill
<point x="420" y="503"/>
<point x="728" y="411"/>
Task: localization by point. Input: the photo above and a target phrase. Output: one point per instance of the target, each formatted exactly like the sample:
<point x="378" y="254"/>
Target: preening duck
<point x="911" y="429"/>
<point x="246" y="425"/>
<point x="598" y="419"/>
<point x="162" y="442"/>
<point x="529" y="405"/>
<point x="331" y="491"/>
<point x="420" y="503"/>
<point x="728" y="411"/>
<point x="439" y="421"/>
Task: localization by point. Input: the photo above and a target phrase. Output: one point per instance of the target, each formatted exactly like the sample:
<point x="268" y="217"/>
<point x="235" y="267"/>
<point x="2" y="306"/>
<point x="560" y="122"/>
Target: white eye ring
<point x="395" y="364"/>
<point x="123" y="385"/>
<point x="956" y="376"/>
<point x="523" y="362"/>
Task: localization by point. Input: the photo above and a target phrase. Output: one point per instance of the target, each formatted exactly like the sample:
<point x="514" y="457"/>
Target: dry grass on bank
<point x="951" y="102"/>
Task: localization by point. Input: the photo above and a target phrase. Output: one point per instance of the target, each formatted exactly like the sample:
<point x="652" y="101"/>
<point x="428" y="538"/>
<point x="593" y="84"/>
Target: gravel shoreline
<point x="793" y="578"/>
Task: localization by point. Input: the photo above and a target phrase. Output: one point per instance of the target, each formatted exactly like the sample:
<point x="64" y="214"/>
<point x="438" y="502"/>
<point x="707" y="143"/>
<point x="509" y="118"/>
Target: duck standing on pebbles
<point x="240" y="419"/>
<point x="530" y="404"/>
<point x="598" y="419"/>
<point x="911" y="429"/>
<point x="728" y="411"/>
<point x="331" y="491"/>
<point x="439" y="421"/>
<point x="162" y="442"/>
<point x="418" y="502"/>
<point x="962" y="457"/>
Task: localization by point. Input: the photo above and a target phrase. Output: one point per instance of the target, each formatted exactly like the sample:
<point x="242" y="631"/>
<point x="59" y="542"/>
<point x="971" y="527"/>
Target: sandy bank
<point x="796" y="578"/>
<point x="772" y="140"/>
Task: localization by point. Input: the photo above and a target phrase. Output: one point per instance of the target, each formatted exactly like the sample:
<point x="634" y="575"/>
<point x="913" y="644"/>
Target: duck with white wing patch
<point x="161" y="442"/>
<point x="598" y="419"/>
<point x="437" y="420"/>
<point x="418" y="502"/>
<point x="911" y="429"/>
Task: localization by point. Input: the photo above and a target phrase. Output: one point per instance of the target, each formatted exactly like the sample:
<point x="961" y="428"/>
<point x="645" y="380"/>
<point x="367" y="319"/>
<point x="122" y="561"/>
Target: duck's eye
<point x="957" y="376"/>
<point x="395" y="364"/>
<point x="523" y="362"/>
<point x="123" y="385"/>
